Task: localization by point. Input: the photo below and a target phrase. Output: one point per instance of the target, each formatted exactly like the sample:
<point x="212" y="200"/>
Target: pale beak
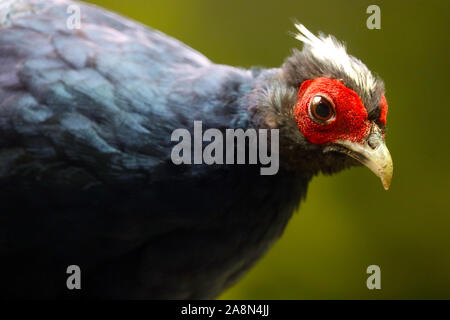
<point x="373" y="153"/>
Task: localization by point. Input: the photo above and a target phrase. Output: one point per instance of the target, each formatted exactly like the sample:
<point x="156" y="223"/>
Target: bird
<point x="86" y="174"/>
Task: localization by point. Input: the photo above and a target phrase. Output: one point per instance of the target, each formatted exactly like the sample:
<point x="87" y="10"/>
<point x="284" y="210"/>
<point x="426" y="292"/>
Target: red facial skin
<point x="384" y="109"/>
<point x="350" y="122"/>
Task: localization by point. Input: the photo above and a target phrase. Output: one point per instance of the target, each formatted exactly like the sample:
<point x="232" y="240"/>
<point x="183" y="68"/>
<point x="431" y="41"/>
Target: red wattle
<point x="350" y="122"/>
<point x="384" y="109"/>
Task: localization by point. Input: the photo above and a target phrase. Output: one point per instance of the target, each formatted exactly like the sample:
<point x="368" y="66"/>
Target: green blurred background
<point x="348" y="221"/>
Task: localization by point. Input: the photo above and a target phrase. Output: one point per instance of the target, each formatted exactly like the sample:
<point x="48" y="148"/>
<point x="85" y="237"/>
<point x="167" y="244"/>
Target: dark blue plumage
<point x="85" y="172"/>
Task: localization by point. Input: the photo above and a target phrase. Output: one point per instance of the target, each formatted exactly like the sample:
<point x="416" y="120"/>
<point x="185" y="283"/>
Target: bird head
<point x="331" y="110"/>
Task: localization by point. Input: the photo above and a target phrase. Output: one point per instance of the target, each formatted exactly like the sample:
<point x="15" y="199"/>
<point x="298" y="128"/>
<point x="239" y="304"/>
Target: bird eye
<point x="321" y="110"/>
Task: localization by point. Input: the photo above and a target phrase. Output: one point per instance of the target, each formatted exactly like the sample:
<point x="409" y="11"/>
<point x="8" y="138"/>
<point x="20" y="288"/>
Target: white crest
<point x="330" y="51"/>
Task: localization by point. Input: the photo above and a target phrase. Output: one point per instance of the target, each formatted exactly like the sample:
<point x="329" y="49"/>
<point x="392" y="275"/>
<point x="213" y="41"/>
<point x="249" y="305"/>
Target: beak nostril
<point x="373" y="141"/>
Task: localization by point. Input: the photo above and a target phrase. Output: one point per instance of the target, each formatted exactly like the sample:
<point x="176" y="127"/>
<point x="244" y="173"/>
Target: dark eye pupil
<point x="323" y="110"/>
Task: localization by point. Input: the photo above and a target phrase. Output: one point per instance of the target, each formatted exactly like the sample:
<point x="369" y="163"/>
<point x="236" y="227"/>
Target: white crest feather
<point x="330" y="51"/>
